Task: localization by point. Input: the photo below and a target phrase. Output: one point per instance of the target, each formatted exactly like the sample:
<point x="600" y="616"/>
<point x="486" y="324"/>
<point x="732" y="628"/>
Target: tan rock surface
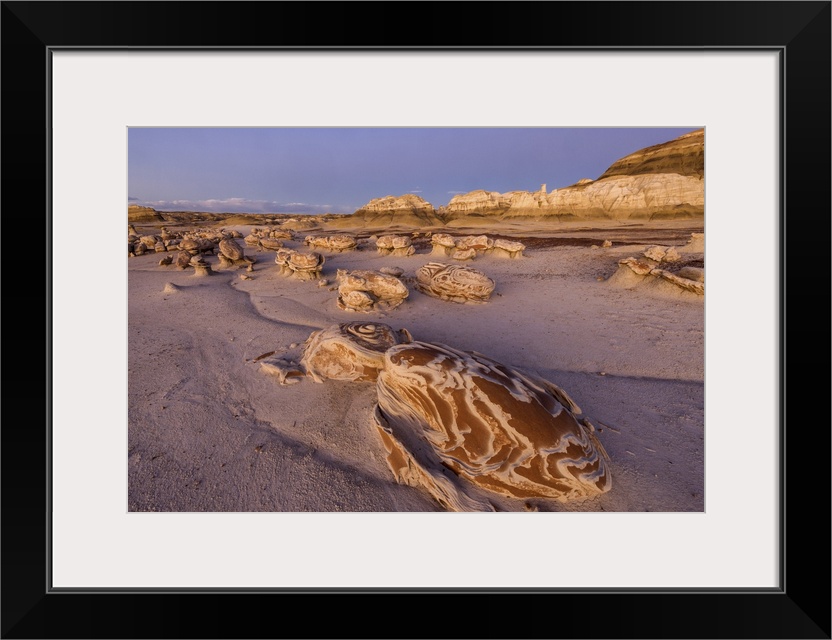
<point x="349" y="351"/>
<point x="454" y="282"/>
<point x="365" y="290"/>
<point x="493" y="426"/>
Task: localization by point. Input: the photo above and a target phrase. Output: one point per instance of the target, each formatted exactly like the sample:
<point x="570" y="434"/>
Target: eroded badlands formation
<point x="665" y="181"/>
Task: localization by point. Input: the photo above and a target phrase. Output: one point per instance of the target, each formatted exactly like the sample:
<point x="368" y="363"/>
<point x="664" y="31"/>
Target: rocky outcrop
<point x="684" y="156"/>
<point x="662" y="181"/>
<point x="135" y="213"/>
<point x="408" y="210"/>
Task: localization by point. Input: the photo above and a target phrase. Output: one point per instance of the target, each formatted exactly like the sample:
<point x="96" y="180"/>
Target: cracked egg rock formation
<point x="349" y="351"/>
<point x="454" y="282"/>
<point x="369" y="290"/>
<point x="503" y="430"/>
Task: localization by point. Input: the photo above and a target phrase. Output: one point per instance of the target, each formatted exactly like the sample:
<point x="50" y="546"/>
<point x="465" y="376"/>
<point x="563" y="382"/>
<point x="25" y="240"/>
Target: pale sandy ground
<point x="209" y="431"/>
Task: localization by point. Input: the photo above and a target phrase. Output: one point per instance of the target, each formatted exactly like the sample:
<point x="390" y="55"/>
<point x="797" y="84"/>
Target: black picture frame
<point x="799" y="608"/>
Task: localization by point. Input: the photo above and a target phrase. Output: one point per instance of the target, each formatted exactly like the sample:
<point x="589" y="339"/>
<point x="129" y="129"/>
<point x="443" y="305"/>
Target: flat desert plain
<point x="211" y="430"/>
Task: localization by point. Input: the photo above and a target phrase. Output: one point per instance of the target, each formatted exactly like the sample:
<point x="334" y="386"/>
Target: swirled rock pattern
<point x="369" y="290"/>
<point x="499" y="428"/>
<point x="349" y="351"/>
<point x="454" y="282"/>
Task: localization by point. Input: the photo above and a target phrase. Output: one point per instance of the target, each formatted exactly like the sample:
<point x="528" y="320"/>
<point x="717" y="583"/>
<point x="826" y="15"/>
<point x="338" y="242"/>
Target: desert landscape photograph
<point x="383" y="319"/>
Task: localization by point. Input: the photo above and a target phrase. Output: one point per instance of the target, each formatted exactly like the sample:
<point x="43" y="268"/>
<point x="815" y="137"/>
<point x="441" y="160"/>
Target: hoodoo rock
<point x="303" y="266"/>
<point x="231" y="254"/>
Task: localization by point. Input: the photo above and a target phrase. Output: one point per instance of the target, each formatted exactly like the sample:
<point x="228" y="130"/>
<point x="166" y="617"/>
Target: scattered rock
<point x="396" y="272"/>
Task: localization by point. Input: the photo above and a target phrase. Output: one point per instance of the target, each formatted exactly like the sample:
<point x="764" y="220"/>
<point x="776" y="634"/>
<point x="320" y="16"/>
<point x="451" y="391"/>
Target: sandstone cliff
<point x="684" y="156"/>
<point x="662" y="181"/>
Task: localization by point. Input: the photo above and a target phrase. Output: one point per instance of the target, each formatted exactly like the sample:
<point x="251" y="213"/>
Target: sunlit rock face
<point x="137" y="213"/>
<point x="454" y="282"/>
<point x="349" y="351"/>
<point x="661" y="181"/>
<point x="684" y="156"/>
<point x="407" y="210"/>
<point x="502" y="430"/>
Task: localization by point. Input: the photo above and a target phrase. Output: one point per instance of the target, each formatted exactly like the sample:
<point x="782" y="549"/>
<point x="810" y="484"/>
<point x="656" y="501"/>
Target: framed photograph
<point x="90" y="87"/>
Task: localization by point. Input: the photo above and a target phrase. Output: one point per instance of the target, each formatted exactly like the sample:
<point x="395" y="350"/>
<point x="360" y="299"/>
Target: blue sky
<point x="337" y="170"/>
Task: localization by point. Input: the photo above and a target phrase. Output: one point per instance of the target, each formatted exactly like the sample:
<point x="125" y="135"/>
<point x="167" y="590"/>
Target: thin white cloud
<point x="242" y="205"/>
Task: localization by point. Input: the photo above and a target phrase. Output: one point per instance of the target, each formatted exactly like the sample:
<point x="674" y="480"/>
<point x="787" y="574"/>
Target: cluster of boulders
<point x="469" y="247"/>
<point x="190" y="248"/>
<point x="655" y="262"/>
<point x="194" y="242"/>
<point x="268" y="239"/>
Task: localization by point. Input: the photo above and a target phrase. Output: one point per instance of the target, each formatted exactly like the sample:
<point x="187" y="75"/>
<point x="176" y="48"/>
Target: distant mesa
<point x="408" y="210"/>
<point x="136" y="213"/>
<point x="664" y="181"/>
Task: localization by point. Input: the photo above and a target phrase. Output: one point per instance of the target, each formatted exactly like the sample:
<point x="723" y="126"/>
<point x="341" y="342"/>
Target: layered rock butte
<point x="665" y="181"/>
